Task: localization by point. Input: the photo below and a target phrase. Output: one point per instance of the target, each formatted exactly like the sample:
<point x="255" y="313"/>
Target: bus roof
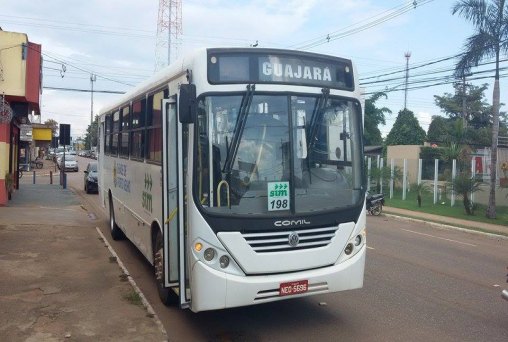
<point x="180" y="66"/>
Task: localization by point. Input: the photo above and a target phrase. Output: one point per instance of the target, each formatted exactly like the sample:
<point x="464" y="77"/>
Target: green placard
<point x="278" y="196"/>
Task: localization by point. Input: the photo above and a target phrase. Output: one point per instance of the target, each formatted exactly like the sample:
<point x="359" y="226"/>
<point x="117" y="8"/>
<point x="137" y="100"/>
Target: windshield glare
<point x="278" y="154"/>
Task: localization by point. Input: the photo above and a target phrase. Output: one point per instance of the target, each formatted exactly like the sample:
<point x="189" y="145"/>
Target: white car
<point x="69" y="163"/>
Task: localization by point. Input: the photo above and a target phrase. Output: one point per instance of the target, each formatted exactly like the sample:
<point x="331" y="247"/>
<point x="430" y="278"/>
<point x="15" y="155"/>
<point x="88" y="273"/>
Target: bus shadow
<point x="264" y="321"/>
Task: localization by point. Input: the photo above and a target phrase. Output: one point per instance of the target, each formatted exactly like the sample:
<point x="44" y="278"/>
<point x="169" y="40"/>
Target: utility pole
<point x="407" y="55"/>
<point x="93" y="78"/>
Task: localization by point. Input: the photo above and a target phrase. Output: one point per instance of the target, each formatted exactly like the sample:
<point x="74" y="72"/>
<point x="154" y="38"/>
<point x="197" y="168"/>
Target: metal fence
<point x="398" y="177"/>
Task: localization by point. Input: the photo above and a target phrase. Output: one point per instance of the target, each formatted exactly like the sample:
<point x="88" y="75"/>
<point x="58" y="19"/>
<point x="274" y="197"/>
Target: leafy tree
<point x="91" y="134"/>
<point x="489" y="40"/>
<point x="475" y="128"/>
<point x="406" y="130"/>
<point x="373" y="118"/>
<point x="469" y="98"/>
<point x="53" y="124"/>
<point x="439" y="129"/>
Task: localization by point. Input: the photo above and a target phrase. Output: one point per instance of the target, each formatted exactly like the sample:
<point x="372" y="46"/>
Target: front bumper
<point x="212" y="289"/>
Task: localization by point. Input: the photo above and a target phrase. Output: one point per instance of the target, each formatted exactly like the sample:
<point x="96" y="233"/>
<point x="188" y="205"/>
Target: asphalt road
<point x="421" y="284"/>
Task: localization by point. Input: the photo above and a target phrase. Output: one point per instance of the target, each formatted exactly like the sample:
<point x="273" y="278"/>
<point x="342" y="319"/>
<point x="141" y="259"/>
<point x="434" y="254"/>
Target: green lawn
<point x="444" y="208"/>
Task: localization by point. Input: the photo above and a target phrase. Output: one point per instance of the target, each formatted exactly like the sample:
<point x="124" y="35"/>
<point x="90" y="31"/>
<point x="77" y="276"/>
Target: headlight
<point x="224" y="261"/>
<point x="209" y="254"/>
<point x="358" y="240"/>
<point x="349" y="249"/>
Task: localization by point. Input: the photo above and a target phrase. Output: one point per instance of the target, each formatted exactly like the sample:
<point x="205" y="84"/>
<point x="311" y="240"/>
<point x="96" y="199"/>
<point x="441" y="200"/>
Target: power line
<point x="85" y="90"/>
<point x="393" y="14"/>
<point x="75" y="67"/>
<point x="435" y="84"/>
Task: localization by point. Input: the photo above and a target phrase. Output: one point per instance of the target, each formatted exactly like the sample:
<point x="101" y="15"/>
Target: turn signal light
<point x="198" y="246"/>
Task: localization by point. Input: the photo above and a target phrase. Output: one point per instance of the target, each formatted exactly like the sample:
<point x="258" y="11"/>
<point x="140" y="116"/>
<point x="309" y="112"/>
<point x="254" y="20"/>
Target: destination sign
<point x="279" y="67"/>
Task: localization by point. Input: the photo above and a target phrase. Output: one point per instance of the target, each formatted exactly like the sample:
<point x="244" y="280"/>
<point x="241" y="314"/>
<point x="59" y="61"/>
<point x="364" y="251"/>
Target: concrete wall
<point x="13" y="80"/>
<point x="400" y="152"/>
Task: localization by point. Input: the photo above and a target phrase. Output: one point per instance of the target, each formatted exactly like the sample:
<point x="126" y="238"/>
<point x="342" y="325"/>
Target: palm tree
<point x="490" y="38"/>
<point x="420" y="189"/>
<point x="464" y="185"/>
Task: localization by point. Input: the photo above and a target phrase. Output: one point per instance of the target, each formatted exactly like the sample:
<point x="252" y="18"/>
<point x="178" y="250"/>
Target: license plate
<point x="294" y="287"/>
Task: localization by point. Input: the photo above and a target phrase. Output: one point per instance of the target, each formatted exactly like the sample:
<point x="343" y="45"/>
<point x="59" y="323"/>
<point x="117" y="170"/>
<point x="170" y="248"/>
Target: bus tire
<point x="116" y="232"/>
<point x="167" y="296"/>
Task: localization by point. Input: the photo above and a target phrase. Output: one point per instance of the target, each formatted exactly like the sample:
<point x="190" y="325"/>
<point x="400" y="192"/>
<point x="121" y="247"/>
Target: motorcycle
<point x="36" y="163"/>
<point x="374" y="203"/>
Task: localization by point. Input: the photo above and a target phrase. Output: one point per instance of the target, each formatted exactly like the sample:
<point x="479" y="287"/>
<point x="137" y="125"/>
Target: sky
<point x="116" y="40"/>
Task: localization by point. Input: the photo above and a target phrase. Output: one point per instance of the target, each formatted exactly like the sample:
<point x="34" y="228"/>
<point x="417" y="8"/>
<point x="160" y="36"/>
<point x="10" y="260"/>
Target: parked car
<point x="69" y="163"/>
<point x="91" y="178"/>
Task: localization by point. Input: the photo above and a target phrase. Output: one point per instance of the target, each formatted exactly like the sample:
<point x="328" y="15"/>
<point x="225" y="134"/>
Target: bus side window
<point x="108" y="134"/>
<point x="115" y="133"/>
<point x="154" y="127"/>
<point x="124" y="134"/>
<point x="137" y="138"/>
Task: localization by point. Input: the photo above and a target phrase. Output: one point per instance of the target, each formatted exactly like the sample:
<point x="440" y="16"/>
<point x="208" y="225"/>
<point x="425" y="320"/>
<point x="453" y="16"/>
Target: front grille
<point x="279" y="241"/>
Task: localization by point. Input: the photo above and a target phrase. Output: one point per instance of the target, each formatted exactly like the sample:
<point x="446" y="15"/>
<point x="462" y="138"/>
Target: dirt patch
<point x="58" y="283"/>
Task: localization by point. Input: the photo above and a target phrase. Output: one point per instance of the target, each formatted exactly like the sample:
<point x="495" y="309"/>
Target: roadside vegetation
<point x="133" y="298"/>
<point x="443" y="207"/>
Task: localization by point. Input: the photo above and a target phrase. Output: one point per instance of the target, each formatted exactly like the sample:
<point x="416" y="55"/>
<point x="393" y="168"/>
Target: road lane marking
<point x="370" y="247"/>
<point x="438" y="237"/>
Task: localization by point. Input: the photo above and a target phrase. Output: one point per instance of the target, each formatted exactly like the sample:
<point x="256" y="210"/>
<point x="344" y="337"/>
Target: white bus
<point x="238" y="173"/>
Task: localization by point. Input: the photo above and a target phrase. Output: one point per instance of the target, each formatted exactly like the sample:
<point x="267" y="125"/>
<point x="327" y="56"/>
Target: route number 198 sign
<point x="278" y="196"/>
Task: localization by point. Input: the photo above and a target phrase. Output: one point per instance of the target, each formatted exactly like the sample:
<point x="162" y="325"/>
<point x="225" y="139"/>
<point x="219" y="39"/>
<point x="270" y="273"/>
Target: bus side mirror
<point x="187" y="103"/>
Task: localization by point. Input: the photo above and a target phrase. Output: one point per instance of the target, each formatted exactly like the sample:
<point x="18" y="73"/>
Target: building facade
<point x="20" y="90"/>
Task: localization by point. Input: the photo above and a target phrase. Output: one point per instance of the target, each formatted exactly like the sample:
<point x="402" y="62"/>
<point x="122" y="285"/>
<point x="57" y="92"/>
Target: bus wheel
<point x="167" y="296"/>
<point x="116" y="232"/>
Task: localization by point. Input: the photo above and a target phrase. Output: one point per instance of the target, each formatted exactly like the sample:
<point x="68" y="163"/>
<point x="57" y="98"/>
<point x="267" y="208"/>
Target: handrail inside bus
<point x="222" y="182"/>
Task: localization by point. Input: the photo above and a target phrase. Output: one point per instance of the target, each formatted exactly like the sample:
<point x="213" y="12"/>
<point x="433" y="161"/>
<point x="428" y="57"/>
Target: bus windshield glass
<point x="274" y="154"/>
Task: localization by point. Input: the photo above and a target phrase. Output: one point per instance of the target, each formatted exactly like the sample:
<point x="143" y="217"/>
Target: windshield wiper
<point x="238" y="132"/>
<point x="316" y="117"/>
<point x="313" y="127"/>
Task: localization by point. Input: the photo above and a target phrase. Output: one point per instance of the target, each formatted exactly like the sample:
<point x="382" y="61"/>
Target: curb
<point x="446" y="226"/>
<point x="145" y="302"/>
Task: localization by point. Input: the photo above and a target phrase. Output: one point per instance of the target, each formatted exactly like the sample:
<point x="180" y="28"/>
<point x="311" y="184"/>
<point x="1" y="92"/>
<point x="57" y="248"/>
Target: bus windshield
<point x="278" y="154"/>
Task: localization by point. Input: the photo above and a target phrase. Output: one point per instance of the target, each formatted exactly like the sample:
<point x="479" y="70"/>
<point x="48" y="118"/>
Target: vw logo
<point x="293" y="239"/>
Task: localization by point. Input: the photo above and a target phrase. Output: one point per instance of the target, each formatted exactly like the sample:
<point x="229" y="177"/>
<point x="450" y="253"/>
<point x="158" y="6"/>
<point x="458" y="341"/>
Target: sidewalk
<point x="472" y="225"/>
<point x="58" y="281"/>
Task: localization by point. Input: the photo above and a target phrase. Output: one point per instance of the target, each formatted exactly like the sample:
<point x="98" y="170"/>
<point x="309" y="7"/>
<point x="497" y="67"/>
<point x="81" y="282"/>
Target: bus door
<point x="173" y="201"/>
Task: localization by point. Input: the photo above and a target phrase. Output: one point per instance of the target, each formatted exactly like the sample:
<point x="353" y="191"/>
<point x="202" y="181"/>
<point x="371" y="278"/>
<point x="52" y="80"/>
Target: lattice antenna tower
<point x="169" y="29"/>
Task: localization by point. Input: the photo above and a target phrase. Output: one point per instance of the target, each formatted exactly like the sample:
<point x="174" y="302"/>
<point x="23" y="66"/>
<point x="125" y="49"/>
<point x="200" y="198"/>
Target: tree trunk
<point x="491" y="209"/>
<point x="467" y="203"/>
